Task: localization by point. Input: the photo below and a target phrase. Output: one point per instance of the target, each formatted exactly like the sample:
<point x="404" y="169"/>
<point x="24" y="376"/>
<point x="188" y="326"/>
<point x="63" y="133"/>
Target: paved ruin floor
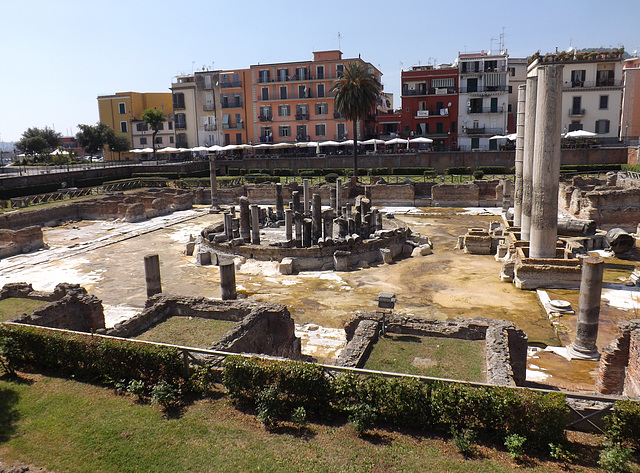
<point x="106" y="257"/>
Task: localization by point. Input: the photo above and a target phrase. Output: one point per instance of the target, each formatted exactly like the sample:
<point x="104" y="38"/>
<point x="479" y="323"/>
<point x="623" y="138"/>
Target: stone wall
<point x="455" y="195"/>
<point x="506" y="345"/>
<point x="71" y="308"/>
<point x="262" y="327"/>
<point x="24" y="240"/>
<point x="619" y="366"/>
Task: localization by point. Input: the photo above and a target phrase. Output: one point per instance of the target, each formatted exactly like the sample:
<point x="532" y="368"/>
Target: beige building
<point x="122" y="111"/>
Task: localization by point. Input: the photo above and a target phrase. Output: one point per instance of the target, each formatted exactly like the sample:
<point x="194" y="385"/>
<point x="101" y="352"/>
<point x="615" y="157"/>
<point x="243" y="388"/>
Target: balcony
<point x="302" y="138"/>
<point x="181" y="126"/>
<point x="231" y="126"/>
<point x="412" y="92"/>
<point x="179" y="106"/>
<point x="265" y="118"/>
<point x="471" y="110"/>
<point x="234" y="104"/>
<point x="210" y="127"/>
<point x="475" y="131"/>
<point x="581" y="84"/>
<point x="337" y="115"/>
<point x="228" y="85"/>
<point x="208" y="107"/>
<point x="577" y="112"/>
<point x="302" y="116"/>
<point x="466" y="68"/>
<point x="484" y="89"/>
<point x="436" y="112"/>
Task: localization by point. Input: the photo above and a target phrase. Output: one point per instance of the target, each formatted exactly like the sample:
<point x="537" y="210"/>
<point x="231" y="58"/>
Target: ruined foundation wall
<point x="455" y="195"/>
<point x="615" y="360"/>
<point x="632" y="381"/>
<point x="24" y="240"/>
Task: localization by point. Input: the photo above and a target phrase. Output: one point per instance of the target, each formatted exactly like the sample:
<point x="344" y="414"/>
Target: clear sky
<point x="56" y="57"/>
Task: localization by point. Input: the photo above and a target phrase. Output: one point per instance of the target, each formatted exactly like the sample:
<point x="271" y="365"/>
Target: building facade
<point x="430" y="105"/>
<point x="483" y="99"/>
<point x="123" y="112"/>
<point x="291" y="101"/>
<point x="630" y="115"/>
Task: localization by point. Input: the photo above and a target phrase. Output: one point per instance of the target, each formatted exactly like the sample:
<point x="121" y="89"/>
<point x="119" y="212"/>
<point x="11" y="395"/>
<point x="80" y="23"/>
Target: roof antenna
<point x="339" y="36"/>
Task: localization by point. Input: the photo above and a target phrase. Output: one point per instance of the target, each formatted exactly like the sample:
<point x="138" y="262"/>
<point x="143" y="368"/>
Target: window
<point x="181" y="140"/>
<point x="181" y="121"/>
<point x="283" y="92"/>
<point x="493" y="145"/>
<point x="472" y="85"/>
<point x="224" y="80"/>
<point x="322" y="108"/>
<point x="475" y="105"/>
<point x="207" y="82"/>
<point x="142" y="127"/>
<point x="239" y="119"/>
<point x="475" y="143"/>
<point x="160" y="126"/>
<point x="170" y="125"/>
<point x="605" y="79"/>
<point x="439" y="127"/>
<point x="577" y="78"/>
<point x="265" y="113"/>
<point x="302" y="92"/>
<point x="604" y="102"/>
<point x="319" y="72"/>
<point x="178" y="101"/>
<point x="284" y="130"/>
<point x="422" y="105"/>
<point x="226" y="121"/>
<point x="321" y="129"/>
<point x="122" y="108"/>
<point x="171" y="139"/>
<point x="264" y="75"/>
<point x="237" y="99"/>
<point x="301" y="133"/>
<point x="282" y="75"/>
<point x="238" y="138"/>
<point x="158" y="140"/>
<point x="227" y="139"/>
<point x="143" y="141"/>
<point x="509" y="108"/>
<point x="575" y="125"/>
<point x="339" y="70"/>
<point x="284" y="110"/>
<point x="576" y="106"/>
<point x="602" y="126"/>
<point x="265" y="93"/>
<point x="301" y="73"/>
<point x="342" y="131"/>
<point x="320" y="90"/>
<point x="123" y="127"/>
<point x="302" y="112"/>
<point x="512" y="72"/>
<point x="265" y="134"/>
<point x="453" y="127"/>
<point x="224" y="100"/>
<point x="510" y="91"/>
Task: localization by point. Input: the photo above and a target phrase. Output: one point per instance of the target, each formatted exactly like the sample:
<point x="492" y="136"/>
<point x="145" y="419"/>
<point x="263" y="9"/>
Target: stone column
<point x="584" y="345"/>
<point x="374" y="221"/>
<point x="506" y="195"/>
<point x="228" y="225"/>
<point x="517" y="202"/>
<point x="527" y="157"/>
<point x="245" y="219"/>
<point x="228" y="280"/>
<point x="255" y="224"/>
<point x="152" y="275"/>
<point x="332" y="198"/>
<point x="316" y="216"/>
<point x="288" y="224"/>
<point x="328" y="225"/>
<point x="343" y="227"/>
<point x="295" y="196"/>
<point x="214" y="181"/>
<point x="306" y="233"/>
<point x="338" y="204"/>
<point x="341" y="260"/>
<point x="298" y="226"/>
<point x="305" y="196"/>
<point x="546" y="163"/>
<point x="279" y="203"/>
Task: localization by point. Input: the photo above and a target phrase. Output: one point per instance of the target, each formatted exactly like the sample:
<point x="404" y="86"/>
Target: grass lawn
<point x="67" y="426"/>
<point x="188" y="331"/>
<point x="429" y="356"/>
<point x="12" y="307"/>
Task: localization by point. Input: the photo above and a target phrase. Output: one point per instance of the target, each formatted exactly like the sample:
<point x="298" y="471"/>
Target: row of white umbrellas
<point x="571" y="134"/>
<point x="309" y="144"/>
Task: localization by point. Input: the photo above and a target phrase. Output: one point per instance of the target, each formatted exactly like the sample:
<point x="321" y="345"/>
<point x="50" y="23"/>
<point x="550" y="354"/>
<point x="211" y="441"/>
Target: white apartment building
<point x="483" y="99"/>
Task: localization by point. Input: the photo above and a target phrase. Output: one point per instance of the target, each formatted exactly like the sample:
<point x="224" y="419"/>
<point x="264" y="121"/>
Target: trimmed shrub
<point x="261" y="178"/>
<point x="331" y="178"/>
<point x="477" y="174"/>
<point x="623" y="424"/>
<point x="492" y="169"/>
<point x="458" y="171"/>
<point x="417" y="171"/>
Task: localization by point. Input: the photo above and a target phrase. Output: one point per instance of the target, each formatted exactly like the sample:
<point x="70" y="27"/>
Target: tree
<point x="356" y="94"/>
<point x="30" y="146"/>
<point x="118" y="144"/>
<point x="154" y="119"/>
<point x="92" y="138"/>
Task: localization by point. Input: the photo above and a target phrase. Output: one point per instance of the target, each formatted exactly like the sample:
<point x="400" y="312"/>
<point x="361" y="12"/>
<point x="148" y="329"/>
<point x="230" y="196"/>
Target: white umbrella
<point x="396" y="141"/>
<point x="579" y="134"/>
<point x="146" y="150"/>
<point x="375" y="142"/>
<point x="230" y="147"/>
<point x="59" y="151"/>
<point x="168" y="149"/>
<point x="421" y="139"/>
<point x="214" y="148"/>
<point x="498" y="137"/>
<point x="511" y="136"/>
<point x="330" y="143"/>
<point x="200" y="148"/>
<point x="263" y="146"/>
<point x="283" y="145"/>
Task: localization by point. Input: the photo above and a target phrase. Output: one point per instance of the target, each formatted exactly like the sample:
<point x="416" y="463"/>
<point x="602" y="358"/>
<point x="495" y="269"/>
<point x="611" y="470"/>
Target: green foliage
<point x="465" y="441"/>
<point x="590" y="168"/>
<point x="92" y="138"/>
<point x="299" y="416"/>
<point x="261" y="178"/>
<point x="35" y="140"/>
<point x="137" y="388"/>
<point x="477" y="174"/>
<point x="417" y="171"/>
<point x="362" y="417"/>
<point x="10" y="355"/>
<point x="560" y="453"/>
<point x="616" y="459"/>
<point x="236" y="172"/>
<point x="630" y="167"/>
<point x="458" y="171"/>
<point x="492" y="169"/>
<point x="430" y="173"/>
<point x="331" y="178"/>
<point x="515" y="445"/>
<point x="623" y="424"/>
<point x="269" y="406"/>
<point x="165" y="394"/>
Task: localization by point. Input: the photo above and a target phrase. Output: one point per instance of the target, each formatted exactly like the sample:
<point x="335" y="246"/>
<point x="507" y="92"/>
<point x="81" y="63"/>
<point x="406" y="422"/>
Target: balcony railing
<point x="235" y="104"/>
<point x="232" y="126"/>
<point x="265" y="118"/>
<point x="179" y="106"/>
<point x="436" y="112"/>
<point x="302" y="138"/>
<point x="484" y="89"/>
<point x="483" y="131"/>
<point x="302" y="116"/>
<point x="227" y="85"/>
<point x="210" y="127"/>
<point x="485" y="109"/>
<point x="577" y="112"/>
<point x="208" y="107"/>
<point x="181" y="126"/>
<point x="337" y="115"/>
<point x="581" y="84"/>
<point x="480" y="70"/>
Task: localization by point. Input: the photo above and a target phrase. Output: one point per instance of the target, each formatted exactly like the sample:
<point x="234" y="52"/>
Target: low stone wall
<point x="506" y="345"/>
<point x="455" y="195"/>
<point x="619" y="366"/>
<point x="25" y="240"/>
<point x="71" y="308"/>
<point x="262" y="327"/>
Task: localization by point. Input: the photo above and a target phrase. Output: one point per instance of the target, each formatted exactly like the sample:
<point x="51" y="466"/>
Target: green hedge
<point x="91" y="358"/>
<point x="494" y="412"/>
<point x="630" y="167"/>
<point x="586" y="168"/>
<point x="492" y="169"/>
<point x="415" y="171"/>
<point x="623" y="424"/>
<point x="458" y="171"/>
<point x="22" y="191"/>
<point x="260" y="178"/>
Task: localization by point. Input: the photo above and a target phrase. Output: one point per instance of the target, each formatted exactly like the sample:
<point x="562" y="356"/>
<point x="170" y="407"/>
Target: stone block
<point x="385" y="253"/>
<point x="286" y="266"/>
<point x="422" y="250"/>
<point x="203" y="258"/>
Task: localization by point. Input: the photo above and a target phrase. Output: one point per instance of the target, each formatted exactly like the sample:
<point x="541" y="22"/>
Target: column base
<point x="582" y="353"/>
<point x="215" y="209"/>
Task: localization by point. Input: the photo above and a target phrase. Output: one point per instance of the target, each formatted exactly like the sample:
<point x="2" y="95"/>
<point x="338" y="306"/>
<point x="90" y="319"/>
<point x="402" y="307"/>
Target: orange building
<point x="630" y="116"/>
<point x="292" y="101"/>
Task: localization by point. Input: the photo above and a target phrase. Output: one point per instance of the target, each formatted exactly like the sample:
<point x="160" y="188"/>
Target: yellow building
<point x="123" y="112"/>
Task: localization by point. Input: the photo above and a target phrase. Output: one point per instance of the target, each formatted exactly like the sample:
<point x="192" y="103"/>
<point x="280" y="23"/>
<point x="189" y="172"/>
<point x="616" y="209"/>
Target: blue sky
<point x="56" y="57"/>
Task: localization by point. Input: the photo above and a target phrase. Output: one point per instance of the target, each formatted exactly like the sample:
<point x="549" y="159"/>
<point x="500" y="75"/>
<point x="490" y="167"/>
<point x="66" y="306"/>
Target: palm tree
<point x="356" y="94"/>
<point x="154" y="119"/>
